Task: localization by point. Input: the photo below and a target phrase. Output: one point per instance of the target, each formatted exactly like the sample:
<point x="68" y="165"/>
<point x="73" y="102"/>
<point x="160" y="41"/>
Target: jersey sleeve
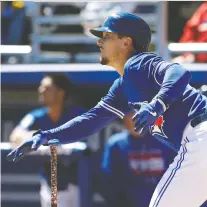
<point x="173" y="80"/>
<point x="81" y="126"/>
<point x="158" y="71"/>
<point x="146" y="71"/>
<point x="150" y="73"/>
<point x="116" y="101"/>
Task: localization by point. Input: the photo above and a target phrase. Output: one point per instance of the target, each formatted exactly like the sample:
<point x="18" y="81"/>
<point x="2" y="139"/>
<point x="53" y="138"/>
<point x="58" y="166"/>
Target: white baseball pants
<point x="184" y="184"/>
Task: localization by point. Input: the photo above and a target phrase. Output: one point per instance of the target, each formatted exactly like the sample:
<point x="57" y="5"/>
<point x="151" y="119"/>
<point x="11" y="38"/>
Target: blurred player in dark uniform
<point x="165" y="104"/>
<point x="132" y="166"/>
<point x="55" y="92"/>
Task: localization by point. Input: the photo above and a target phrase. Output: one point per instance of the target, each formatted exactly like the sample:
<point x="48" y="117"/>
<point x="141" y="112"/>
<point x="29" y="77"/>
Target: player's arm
<point x="173" y="80"/>
<point x="72" y="131"/>
<point x="78" y="128"/>
<point x="113" y="105"/>
<point x="81" y="126"/>
<point x="168" y="81"/>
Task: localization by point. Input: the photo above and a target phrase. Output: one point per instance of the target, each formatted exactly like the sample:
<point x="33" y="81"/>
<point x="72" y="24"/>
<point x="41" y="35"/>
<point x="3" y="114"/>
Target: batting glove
<point x="29" y="145"/>
<point x="146" y="114"/>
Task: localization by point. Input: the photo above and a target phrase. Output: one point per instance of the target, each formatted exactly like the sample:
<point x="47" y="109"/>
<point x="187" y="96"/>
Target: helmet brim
<point x="98" y="32"/>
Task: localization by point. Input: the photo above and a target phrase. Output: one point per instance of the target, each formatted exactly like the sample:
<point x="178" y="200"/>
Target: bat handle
<point x="53" y="149"/>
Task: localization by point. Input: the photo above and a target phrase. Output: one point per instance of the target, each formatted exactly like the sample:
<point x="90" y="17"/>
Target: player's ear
<point x="127" y="41"/>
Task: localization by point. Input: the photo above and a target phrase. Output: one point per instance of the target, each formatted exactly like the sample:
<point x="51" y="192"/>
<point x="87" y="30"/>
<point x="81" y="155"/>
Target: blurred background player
<point x="55" y="92"/>
<point x="195" y="30"/>
<point x="132" y="166"/>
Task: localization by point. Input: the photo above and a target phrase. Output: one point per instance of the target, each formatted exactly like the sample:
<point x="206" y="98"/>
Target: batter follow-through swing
<point x="164" y="103"/>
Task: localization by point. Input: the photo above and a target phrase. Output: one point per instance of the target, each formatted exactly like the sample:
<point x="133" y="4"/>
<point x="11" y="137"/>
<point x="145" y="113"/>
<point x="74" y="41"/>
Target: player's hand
<point x="27" y="146"/>
<point x="146" y="114"/>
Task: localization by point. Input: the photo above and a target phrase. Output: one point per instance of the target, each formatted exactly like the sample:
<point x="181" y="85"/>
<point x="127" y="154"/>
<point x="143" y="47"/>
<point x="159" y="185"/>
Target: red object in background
<point x="196" y="30"/>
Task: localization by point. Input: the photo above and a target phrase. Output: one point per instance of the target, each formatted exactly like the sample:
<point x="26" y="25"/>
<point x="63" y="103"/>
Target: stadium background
<point x="54" y="37"/>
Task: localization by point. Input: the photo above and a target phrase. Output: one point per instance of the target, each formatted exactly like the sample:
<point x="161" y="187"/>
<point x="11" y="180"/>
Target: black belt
<point x="198" y="119"/>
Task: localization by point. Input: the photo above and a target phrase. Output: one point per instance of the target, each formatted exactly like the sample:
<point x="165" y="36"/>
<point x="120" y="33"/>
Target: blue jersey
<point x="142" y="81"/>
<point x="39" y="119"/>
<point x="146" y="76"/>
<point x="131" y="168"/>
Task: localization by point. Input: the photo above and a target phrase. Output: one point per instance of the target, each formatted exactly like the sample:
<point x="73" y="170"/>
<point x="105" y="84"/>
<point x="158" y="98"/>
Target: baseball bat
<point x="53" y="149"/>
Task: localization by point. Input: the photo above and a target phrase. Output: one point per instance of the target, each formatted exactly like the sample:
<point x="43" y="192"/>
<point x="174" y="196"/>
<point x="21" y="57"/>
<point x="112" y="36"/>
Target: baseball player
<point x="131" y="167"/>
<point x="55" y="93"/>
<point x="164" y="102"/>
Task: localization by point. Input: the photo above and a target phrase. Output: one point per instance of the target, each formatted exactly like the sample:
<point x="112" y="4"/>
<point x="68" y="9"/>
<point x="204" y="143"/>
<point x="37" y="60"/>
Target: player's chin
<point x="41" y="99"/>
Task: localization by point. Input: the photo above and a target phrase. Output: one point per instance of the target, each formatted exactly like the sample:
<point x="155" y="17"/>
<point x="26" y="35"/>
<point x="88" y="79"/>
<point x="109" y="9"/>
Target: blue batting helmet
<point x="128" y="25"/>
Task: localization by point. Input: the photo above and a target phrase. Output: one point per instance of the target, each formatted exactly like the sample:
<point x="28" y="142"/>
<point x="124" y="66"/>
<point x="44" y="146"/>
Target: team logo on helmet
<point x="157" y="128"/>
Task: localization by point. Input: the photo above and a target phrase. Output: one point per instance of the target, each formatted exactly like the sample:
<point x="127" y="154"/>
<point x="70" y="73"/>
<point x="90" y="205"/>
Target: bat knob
<point x="53" y="142"/>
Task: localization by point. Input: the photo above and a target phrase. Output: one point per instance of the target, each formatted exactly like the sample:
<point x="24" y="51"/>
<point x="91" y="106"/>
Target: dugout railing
<point x="88" y="74"/>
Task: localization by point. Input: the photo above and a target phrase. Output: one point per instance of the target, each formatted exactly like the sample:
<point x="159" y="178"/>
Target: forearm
<point x="81" y="126"/>
<point x="174" y="83"/>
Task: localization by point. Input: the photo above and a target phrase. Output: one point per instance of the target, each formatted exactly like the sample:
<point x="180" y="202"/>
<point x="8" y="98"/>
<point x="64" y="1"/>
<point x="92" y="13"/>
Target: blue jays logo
<point x="157" y="128"/>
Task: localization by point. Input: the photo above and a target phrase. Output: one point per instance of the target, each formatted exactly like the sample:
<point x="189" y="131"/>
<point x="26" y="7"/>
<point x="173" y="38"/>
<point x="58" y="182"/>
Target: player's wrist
<point x="158" y="105"/>
<point x="44" y="135"/>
